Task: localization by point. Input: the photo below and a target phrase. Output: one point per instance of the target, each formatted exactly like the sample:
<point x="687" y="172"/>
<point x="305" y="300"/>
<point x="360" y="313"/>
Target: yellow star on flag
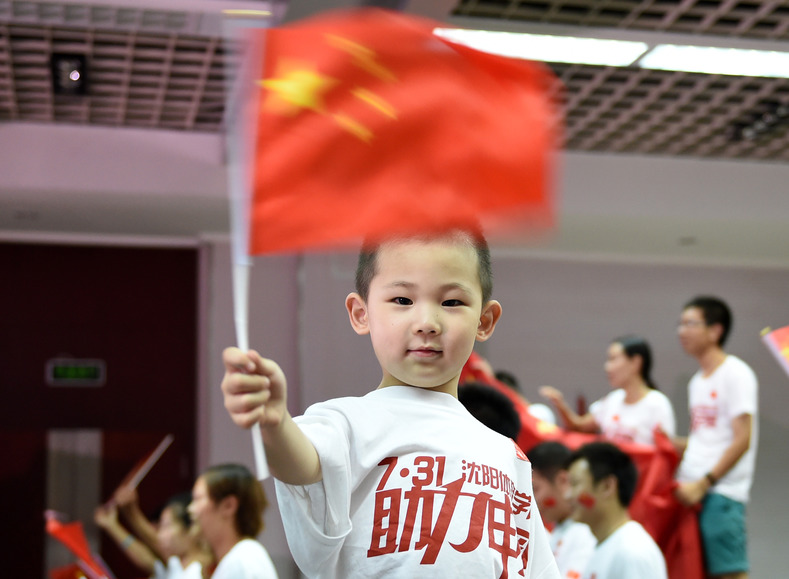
<point x="363" y="57"/>
<point x="295" y="88"/>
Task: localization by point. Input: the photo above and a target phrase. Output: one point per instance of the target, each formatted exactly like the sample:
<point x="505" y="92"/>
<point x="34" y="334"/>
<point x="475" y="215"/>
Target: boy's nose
<point x="427" y="322"/>
<point x="428" y="330"/>
<point x="428" y="326"/>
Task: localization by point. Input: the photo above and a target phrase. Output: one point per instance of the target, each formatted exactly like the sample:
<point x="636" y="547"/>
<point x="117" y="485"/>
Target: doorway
<point x="134" y="310"/>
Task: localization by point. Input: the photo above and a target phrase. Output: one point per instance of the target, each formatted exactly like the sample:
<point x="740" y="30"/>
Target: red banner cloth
<point x="368" y="125"/>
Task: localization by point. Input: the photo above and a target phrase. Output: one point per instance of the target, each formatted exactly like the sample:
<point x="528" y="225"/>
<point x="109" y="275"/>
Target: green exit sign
<point x="75" y="372"/>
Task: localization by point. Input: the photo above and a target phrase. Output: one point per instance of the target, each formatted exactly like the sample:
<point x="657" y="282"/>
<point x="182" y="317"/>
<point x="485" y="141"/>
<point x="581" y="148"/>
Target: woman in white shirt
<point x="227" y="504"/>
<point x="634" y="408"/>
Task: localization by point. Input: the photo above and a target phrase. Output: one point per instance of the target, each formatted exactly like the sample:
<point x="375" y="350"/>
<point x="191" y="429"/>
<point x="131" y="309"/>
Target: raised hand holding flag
<point x="367" y="124"/>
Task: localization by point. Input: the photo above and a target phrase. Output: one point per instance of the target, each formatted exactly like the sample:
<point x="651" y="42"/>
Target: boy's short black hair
<point x="715" y="311"/>
<point x="491" y="407"/>
<point x="606" y="459"/>
<point x="366" y="267"/>
<point x="508" y="379"/>
<point x="548" y="458"/>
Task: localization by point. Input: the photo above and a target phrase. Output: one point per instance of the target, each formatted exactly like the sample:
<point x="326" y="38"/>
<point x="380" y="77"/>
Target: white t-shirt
<point x="619" y="421"/>
<point x="248" y="559"/>
<point x="413" y="486"/>
<point x="573" y="544"/>
<point x="174" y="570"/>
<point x="628" y="553"/>
<point x="714" y="401"/>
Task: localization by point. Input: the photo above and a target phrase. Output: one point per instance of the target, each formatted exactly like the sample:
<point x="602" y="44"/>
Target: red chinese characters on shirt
<point x="701" y="416"/>
<point x="415" y="507"/>
<point x="621" y="433"/>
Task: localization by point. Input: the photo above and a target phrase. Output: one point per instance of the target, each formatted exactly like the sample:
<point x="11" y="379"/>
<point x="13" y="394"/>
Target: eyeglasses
<point x="691" y="324"/>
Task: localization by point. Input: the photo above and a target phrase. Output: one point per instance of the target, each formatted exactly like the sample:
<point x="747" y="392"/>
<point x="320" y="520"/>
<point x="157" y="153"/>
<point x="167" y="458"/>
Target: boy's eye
<point x="402" y="301"/>
<point x="451" y="303"/>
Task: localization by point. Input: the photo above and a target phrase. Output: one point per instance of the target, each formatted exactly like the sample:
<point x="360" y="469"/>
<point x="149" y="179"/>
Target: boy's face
<point x="584" y="493"/>
<point x="551" y="496"/>
<point x="423" y="312"/>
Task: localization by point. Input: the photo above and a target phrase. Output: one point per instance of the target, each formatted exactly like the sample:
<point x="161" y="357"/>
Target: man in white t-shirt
<point x="720" y="452"/>
<point x="572" y="542"/>
<point x="602" y="483"/>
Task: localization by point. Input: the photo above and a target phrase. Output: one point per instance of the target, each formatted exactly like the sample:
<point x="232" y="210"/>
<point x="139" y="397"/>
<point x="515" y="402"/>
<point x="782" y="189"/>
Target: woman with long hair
<point x="634" y="408"/>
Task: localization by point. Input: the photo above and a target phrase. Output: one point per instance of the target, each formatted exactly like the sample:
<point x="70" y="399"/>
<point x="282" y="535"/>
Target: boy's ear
<point x="562" y="479"/>
<point x="610" y="486"/>
<point x="491" y="312"/>
<point x="357" y="313"/>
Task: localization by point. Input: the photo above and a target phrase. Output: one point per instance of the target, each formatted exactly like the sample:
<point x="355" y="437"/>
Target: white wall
<point x="91" y="179"/>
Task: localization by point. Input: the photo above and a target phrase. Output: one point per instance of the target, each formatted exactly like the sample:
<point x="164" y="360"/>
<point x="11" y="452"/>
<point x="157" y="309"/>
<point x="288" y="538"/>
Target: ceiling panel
<point x="138" y="76"/>
<point x="161" y="69"/>
<point x="633" y="110"/>
<point x="768" y="19"/>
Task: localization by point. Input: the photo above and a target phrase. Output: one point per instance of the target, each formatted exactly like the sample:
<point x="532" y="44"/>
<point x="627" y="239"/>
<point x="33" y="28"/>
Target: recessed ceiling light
<point x="548" y="48"/>
<point x="713" y="60"/>
<point x="607" y="52"/>
<point x="69" y="74"/>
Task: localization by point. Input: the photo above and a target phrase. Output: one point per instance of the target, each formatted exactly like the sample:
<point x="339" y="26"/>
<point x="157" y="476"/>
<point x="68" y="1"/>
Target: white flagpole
<point x="151" y="460"/>
<point x="240" y="145"/>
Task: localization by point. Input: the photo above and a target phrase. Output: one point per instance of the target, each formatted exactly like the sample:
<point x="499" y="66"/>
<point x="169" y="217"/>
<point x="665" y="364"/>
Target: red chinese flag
<point x="370" y="125"/>
<point x="67" y="572"/>
<point x="73" y="538"/>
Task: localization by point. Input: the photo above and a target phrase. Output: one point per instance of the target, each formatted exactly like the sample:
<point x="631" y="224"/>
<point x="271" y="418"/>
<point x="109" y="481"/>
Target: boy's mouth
<point x="424" y="352"/>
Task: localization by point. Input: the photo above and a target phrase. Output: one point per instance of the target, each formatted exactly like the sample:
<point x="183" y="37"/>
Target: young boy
<point x="402" y="482"/>
<point x="572" y="542"/>
<point x="602" y="482"/>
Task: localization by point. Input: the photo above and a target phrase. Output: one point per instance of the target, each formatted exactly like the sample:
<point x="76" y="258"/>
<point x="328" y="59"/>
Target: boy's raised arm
<point x="255" y="390"/>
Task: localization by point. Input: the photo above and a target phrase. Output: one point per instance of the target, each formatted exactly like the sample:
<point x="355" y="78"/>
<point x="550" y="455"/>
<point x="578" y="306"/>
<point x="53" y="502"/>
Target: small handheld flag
<point x="136" y="474"/>
<point x="72" y="536"/>
<point x="777" y="341"/>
